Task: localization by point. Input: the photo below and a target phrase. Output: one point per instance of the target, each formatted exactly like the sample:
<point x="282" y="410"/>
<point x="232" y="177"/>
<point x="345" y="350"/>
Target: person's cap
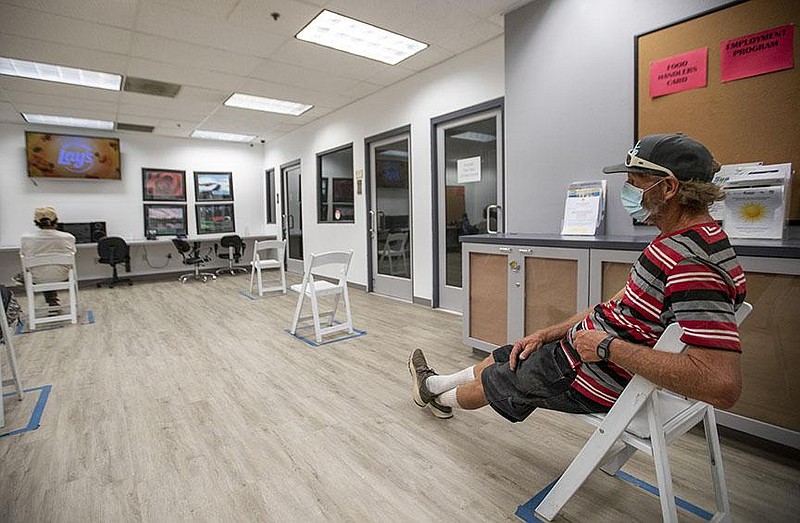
<point x="45" y="213"/>
<point x="662" y="154"/>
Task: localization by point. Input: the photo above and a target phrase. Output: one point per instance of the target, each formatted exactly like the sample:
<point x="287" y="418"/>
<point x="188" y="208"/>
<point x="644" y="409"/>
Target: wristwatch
<point x="604" y="347"/>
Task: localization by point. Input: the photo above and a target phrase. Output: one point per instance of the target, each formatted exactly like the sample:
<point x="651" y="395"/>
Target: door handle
<point x="371" y="223"/>
<point x="497" y="218"/>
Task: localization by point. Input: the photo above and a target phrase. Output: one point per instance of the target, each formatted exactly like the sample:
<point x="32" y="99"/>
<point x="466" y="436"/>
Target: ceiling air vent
<point x="152" y="87"/>
<point x="134" y="127"/>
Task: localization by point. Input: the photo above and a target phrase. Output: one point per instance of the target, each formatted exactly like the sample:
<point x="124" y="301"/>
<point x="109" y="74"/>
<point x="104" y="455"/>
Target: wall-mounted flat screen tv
<point x="70" y="156"/>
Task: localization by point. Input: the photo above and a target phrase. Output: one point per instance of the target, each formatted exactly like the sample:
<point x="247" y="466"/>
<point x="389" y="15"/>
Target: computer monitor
<point x="87" y="232"/>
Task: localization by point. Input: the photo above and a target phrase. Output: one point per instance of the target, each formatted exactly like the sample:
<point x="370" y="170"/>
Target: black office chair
<point x="234" y="250"/>
<point x="191" y="256"/>
<point x="113" y="251"/>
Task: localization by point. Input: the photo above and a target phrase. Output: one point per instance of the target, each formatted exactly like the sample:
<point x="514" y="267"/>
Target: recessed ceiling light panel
<point x="268" y="105"/>
<point x="227" y="137"/>
<point x="60" y="74"/>
<point x="352" y="36"/>
<point x="474" y="136"/>
<point x="68" y="121"/>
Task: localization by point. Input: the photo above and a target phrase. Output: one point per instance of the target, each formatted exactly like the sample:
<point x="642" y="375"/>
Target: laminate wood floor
<point x="192" y="403"/>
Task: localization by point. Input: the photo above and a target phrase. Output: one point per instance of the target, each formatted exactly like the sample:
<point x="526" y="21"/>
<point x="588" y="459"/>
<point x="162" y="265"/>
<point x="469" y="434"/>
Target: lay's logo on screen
<point x="76" y="158"/>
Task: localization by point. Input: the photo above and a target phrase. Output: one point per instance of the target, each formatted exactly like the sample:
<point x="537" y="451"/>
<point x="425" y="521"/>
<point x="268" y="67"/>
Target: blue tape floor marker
<point x="36" y="416"/>
<point x="527" y="512"/>
<point x="312" y="343"/>
<point x="249" y="296"/>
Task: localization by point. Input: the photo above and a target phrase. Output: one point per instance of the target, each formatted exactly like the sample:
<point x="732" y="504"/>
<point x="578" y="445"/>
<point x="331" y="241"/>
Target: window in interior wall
<point x="270" y="196"/>
<point x="335" y="185"/>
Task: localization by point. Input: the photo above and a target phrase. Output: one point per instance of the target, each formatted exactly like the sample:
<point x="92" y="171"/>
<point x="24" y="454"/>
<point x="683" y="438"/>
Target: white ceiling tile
<point x="183" y="74"/>
<point x="65" y="91"/>
<point x="25" y="48"/>
<point x="176" y="24"/>
<point x="427" y="58"/>
<point x="321" y="58"/>
<point x="289" y="92"/>
<point x="390" y="75"/>
<point x="219" y="9"/>
<point x="182" y="53"/>
<point x="481" y="32"/>
<point x="119" y="13"/>
<point x="71" y="31"/>
<point x="488" y="8"/>
<point x="62" y="105"/>
<point x="294" y="15"/>
<point x="279" y="72"/>
<point x="361" y="90"/>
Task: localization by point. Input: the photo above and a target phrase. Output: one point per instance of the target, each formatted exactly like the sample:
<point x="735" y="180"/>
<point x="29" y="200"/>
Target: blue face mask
<point x="632" y="201"/>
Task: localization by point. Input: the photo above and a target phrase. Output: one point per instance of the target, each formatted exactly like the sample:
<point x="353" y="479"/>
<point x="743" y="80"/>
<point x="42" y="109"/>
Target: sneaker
<point x="439" y="410"/>
<point x="418" y="367"/>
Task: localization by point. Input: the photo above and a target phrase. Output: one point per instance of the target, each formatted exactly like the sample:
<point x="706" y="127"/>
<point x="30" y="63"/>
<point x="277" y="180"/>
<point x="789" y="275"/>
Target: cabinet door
<point x="770" y="355"/>
<point x="485" y="268"/>
<point x="555" y="284"/>
<point x="608" y="273"/>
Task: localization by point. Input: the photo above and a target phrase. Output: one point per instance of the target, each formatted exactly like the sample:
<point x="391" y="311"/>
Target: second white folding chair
<point x="70" y="285"/>
<point x="268" y="254"/>
<point x="336" y="265"/>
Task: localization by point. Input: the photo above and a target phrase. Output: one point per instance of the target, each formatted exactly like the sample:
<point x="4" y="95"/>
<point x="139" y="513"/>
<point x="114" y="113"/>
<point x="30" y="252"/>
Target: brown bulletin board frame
<point x="745" y="120"/>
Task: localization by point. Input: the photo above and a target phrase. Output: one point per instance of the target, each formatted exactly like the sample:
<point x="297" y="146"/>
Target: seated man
<point x="47" y="240"/>
<point x="689" y="274"/>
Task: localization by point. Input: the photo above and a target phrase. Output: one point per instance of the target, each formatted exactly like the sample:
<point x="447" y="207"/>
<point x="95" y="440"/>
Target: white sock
<point x="448" y="399"/>
<point x="440" y="384"/>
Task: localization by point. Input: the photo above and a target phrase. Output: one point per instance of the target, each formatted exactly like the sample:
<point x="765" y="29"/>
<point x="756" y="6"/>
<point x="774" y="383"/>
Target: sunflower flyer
<point x="755" y="212"/>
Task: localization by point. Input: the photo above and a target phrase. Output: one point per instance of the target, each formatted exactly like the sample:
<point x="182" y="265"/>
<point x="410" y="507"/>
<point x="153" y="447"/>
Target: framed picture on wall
<point x="164" y="220"/>
<point x="213" y="186"/>
<point x="164" y="185"/>
<point x="215" y="218"/>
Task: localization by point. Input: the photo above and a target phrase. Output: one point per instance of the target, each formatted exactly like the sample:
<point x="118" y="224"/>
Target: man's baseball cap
<point x="45" y="213"/>
<point x="665" y="154"/>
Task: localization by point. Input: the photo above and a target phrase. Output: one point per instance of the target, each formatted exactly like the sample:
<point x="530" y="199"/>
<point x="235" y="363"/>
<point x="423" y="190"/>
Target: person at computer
<point x="688" y="274"/>
<point x="47" y="240"/>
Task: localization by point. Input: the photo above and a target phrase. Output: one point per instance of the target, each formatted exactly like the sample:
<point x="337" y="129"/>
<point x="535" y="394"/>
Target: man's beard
<point x="654" y="204"/>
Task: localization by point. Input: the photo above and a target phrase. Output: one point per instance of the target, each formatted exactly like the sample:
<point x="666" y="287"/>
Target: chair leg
<point x="252" y="277"/>
<point x="334" y="310"/>
<point x="346" y="297"/>
<point x="73" y="302"/>
<point x="283" y="279"/>
<point x="31" y="303"/>
<point x="298" y="310"/>
<point x="315" y="315"/>
<point x="717" y="472"/>
<point x="616" y="460"/>
<point x="666" y="494"/>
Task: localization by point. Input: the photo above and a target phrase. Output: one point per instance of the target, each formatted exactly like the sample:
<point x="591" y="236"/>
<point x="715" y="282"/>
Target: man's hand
<point x="586" y="342"/>
<point x="524" y="347"/>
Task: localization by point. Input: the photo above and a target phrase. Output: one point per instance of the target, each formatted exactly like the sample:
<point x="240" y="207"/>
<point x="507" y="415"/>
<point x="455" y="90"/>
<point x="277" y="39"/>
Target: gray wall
<point x="569" y="101"/>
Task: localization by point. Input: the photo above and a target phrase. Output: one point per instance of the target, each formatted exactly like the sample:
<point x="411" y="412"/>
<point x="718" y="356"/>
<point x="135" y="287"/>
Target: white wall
<point x="119" y="203"/>
<point x="468" y="79"/>
<point x="569" y="100"/>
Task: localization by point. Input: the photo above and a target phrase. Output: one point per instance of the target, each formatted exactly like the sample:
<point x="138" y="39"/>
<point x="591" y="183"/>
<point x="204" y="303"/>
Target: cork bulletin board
<point x="756" y="118"/>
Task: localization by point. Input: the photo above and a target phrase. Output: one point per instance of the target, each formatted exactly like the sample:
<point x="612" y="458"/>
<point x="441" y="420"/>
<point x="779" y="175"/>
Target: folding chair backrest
<point x="339" y="259"/>
<point x="396" y="241"/>
<point x="29" y="262"/>
<point x="261" y="249"/>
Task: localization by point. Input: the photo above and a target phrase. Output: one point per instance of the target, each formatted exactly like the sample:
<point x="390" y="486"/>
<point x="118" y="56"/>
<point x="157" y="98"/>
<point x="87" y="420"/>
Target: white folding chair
<point x="268" y="254"/>
<point x="70" y="285"/>
<point x="339" y="263"/>
<point x="395" y="247"/>
<point x="645" y="418"/>
<point x="5" y="329"/>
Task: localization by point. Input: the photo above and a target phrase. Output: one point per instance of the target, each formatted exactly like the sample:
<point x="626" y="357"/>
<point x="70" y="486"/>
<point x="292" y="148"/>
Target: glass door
<point x="292" y="214"/>
<point x="469" y="156"/>
<point x="390" y="217"/>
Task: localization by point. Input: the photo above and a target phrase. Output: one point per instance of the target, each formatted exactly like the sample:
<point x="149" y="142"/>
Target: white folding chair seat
<point x="5" y="329"/>
<point x="70" y="285"/>
<point x="338" y="263"/>
<point x="645" y="418"/>
<point x="268" y="254"/>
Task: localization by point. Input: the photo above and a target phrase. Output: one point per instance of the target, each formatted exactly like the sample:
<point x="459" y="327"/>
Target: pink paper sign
<point x="758" y="53"/>
<point x="679" y="73"/>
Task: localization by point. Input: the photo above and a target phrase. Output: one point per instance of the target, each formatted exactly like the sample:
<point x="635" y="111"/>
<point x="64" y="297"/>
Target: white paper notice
<point x="755" y="212"/>
<point x="469" y="170"/>
<point x="583" y="209"/>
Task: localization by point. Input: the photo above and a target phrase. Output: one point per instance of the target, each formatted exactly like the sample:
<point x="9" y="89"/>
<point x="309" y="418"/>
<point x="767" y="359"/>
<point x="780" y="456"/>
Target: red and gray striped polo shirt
<point x="691" y="276"/>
